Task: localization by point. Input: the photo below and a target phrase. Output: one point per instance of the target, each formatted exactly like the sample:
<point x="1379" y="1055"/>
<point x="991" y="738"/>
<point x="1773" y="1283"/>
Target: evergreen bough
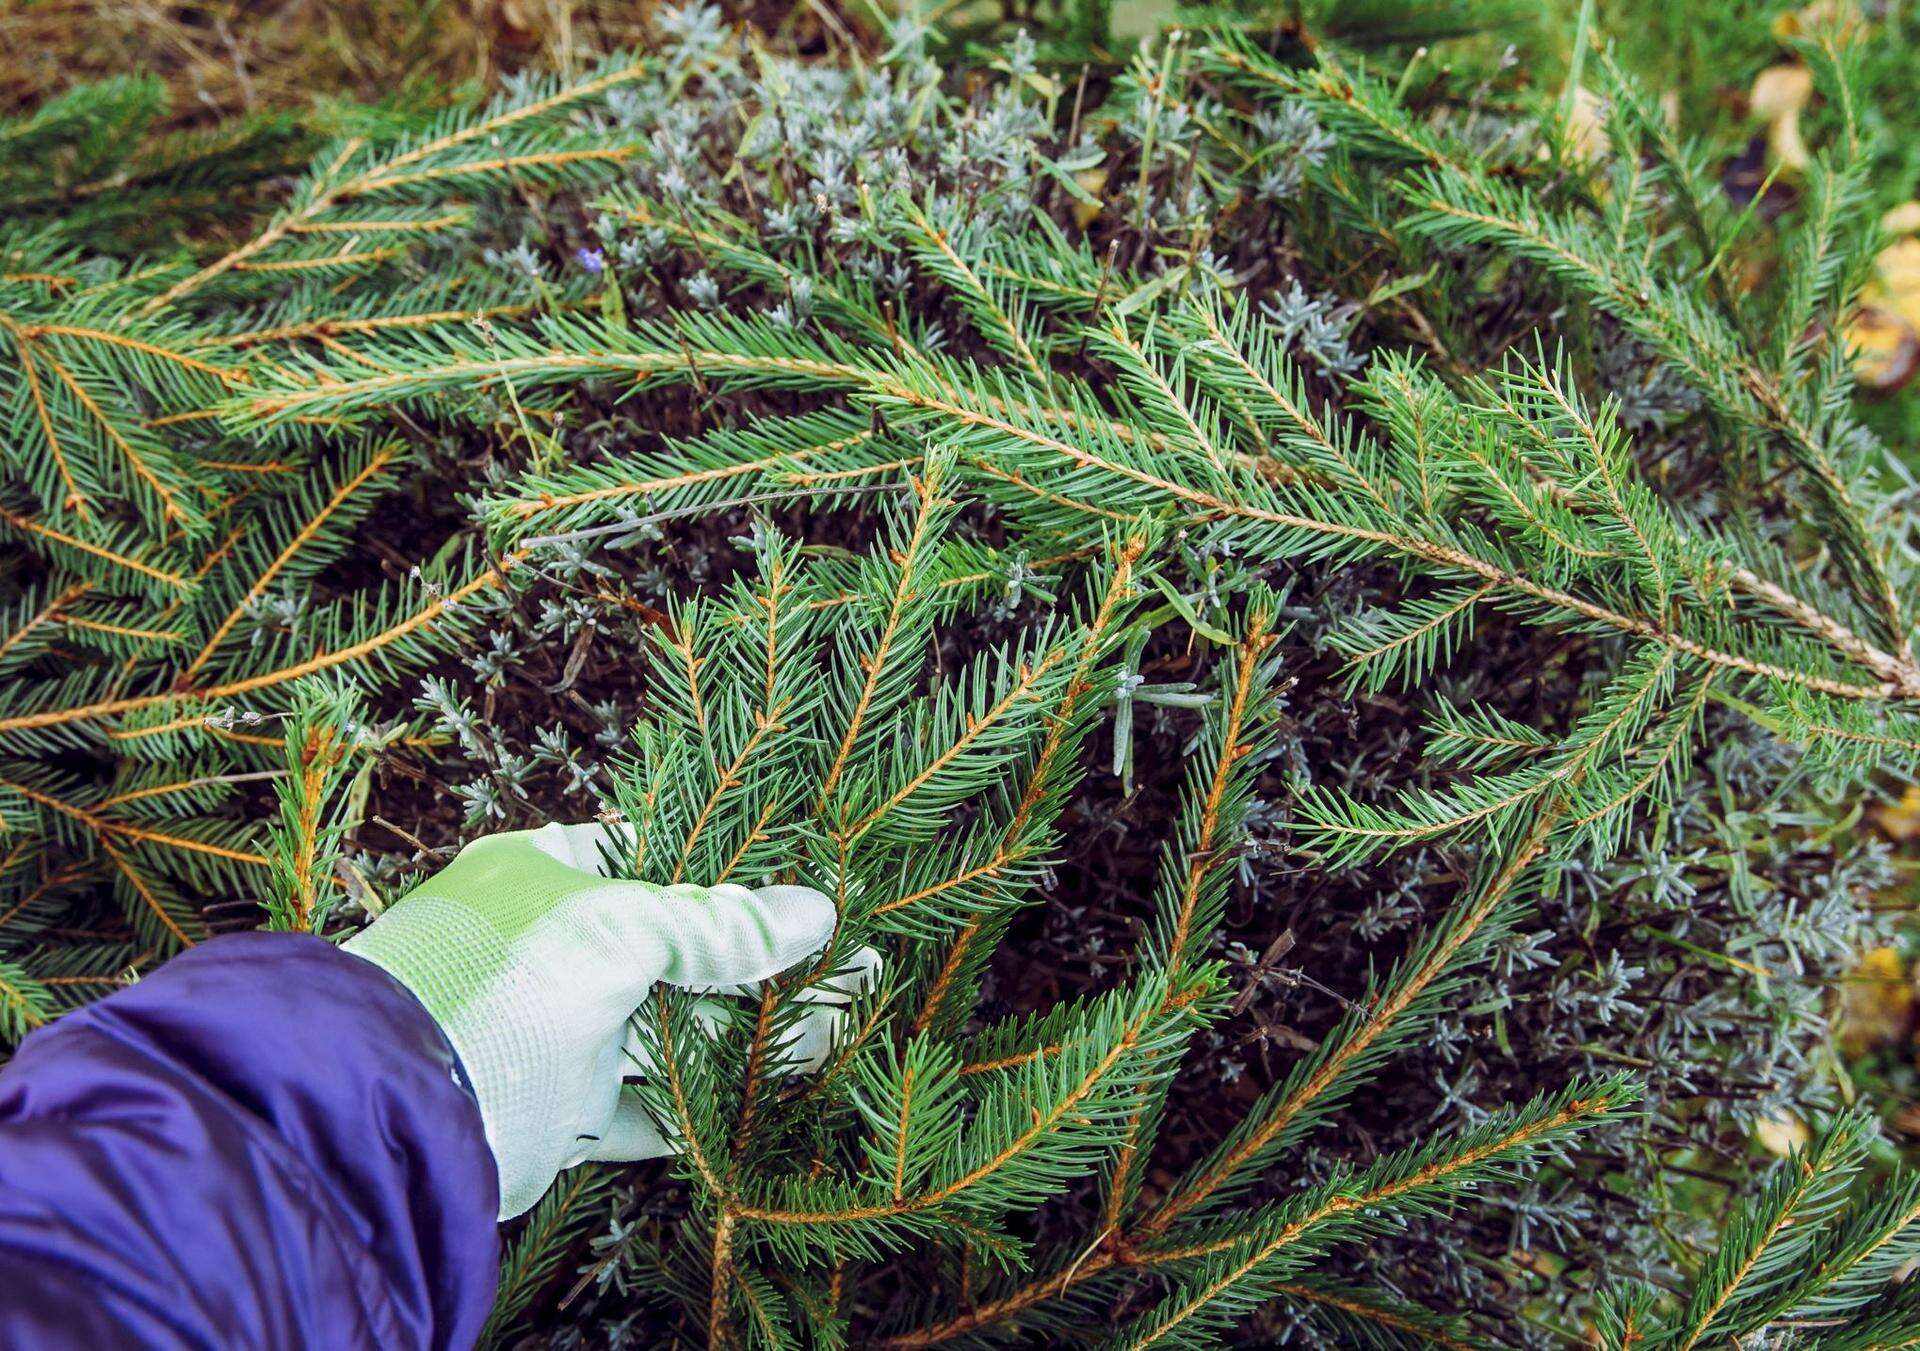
<point x="795" y="734"/>
<point x="1038" y="364"/>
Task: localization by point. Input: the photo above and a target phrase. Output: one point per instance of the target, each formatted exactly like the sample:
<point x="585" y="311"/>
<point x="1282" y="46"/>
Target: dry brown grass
<point x="222" y="57"/>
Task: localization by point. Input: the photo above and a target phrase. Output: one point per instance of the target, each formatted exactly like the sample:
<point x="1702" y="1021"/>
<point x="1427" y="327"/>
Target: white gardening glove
<point x="532" y="961"/>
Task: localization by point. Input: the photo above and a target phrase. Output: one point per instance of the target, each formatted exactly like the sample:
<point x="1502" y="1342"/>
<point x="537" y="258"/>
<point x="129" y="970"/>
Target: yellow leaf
<point x="1902" y="220"/>
<point x="1876" y="1003"/>
<point x="1899" y="821"/>
<point x="1094" y="181"/>
<point x="1838" y="17"/>
<point x="1586" y="125"/>
<point x="1782" y="1134"/>
<point x="1779" y="90"/>
<point x="1886" y="351"/>
<point x="1885" y="332"/>
<point x="1779" y="93"/>
<point x="1896" y="280"/>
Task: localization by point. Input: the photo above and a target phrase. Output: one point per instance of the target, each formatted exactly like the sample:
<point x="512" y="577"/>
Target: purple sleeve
<point x="265" y="1143"/>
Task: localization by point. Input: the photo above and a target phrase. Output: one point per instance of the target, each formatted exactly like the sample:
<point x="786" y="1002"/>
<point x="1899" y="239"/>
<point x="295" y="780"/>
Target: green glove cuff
<point x="455" y="935"/>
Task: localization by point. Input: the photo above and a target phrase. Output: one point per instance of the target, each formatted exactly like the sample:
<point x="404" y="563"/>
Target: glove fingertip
<point x="802" y="917"/>
<point x="733" y="936"/>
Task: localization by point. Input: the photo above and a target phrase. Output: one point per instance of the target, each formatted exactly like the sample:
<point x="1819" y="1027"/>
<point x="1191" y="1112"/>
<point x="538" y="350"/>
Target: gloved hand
<point x="532" y="960"/>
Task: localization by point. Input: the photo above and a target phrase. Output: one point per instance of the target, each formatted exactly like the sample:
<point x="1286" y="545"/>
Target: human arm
<point x="264" y="1143"/>
<point x="271" y="1141"/>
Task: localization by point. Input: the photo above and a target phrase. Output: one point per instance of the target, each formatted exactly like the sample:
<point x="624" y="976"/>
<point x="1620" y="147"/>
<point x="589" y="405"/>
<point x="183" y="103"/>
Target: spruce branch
<point x="1768" y="1244"/>
<point x="1234" y="1268"/>
<point x="354" y="172"/>
<point x="395" y="638"/>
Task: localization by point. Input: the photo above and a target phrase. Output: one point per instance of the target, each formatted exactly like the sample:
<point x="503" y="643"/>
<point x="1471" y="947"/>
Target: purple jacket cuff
<point x="265" y="1143"/>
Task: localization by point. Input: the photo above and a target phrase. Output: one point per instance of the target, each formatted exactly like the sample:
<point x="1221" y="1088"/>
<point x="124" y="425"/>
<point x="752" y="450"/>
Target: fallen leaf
<point x="1886" y="352"/>
<point x="1902" y="220"/>
<point x="1876" y="1003"/>
<point x="1782" y="1134"/>
<point x="1885" y="337"/>
<point x="1779" y="93"/>
<point x="1896" y="279"/>
<point x="1095" y="183"/>
<point x="1586" y="125"/>
<point x="1899" y="821"/>
<point x="1837" y="17"/>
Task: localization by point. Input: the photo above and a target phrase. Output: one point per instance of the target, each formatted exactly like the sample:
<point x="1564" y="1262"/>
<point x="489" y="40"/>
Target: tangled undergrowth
<point x="1321" y="617"/>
